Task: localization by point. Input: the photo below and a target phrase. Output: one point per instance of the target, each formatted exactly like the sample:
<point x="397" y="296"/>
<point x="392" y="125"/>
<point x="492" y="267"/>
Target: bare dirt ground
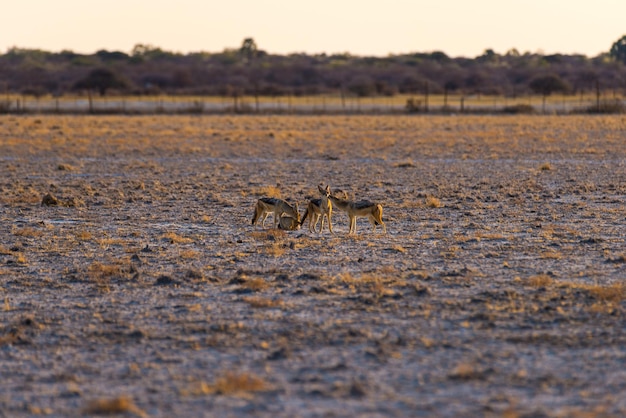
<point x="498" y="290"/>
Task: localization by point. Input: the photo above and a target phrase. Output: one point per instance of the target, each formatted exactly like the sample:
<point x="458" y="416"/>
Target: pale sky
<point x="361" y="27"/>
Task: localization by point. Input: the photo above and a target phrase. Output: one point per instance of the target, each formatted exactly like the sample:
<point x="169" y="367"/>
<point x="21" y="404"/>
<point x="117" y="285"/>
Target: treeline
<point x="247" y="70"/>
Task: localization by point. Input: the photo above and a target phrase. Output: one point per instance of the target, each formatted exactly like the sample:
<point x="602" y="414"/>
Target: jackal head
<point x="288" y="223"/>
<point x="324" y="191"/>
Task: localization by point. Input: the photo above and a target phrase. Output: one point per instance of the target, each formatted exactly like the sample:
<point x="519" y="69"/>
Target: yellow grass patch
<point x="545" y="167"/>
<point x="119" y="405"/>
<point x="189" y="254"/>
<point x="233" y="383"/>
<point x="100" y="270"/>
<point x="174" y="238"/>
<point x="551" y="255"/>
<point x="27" y="232"/>
<point x="540" y="280"/>
<point x="433" y="202"/>
<point x="615" y="292"/>
<point x="256" y="284"/>
<point x="268" y="191"/>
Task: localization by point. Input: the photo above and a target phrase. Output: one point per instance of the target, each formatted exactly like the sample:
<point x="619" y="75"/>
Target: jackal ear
<point x="327" y="190"/>
<point x="319" y="187"/>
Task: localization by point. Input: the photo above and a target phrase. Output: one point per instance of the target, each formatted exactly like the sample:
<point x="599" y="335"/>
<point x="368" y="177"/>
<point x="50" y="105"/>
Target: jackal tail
<point x="306" y="213"/>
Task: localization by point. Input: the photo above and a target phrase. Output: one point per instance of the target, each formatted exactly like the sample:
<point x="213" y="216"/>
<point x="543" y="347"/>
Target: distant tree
<point x="106" y="56"/>
<point x="145" y="52"/>
<point x="439" y="56"/>
<point x="513" y="52"/>
<point x="618" y="50"/>
<point x="101" y="80"/>
<point x="548" y="84"/>
<point x="489" y="56"/>
<point x="248" y="49"/>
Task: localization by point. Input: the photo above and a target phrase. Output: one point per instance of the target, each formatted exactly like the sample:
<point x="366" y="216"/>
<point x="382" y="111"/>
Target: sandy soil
<point x="144" y="291"/>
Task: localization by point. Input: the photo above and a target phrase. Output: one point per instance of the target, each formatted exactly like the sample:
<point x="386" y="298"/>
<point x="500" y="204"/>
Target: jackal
<point x="279" y="207"/>
<point x="312" y="212"/>
<point x="362" y="208"/>
<point x="320" y="208"/>
<point x="288" y="223"/>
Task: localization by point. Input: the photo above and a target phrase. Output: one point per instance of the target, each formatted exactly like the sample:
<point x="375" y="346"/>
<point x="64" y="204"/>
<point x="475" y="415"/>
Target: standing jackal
<point x="320" y="208"/>
<point x="279" y="207"/>
<point x="362" y="208"/>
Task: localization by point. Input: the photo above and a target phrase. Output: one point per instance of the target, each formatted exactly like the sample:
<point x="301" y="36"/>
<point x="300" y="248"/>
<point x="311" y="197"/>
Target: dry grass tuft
<point x="268" y="191"/>
<point x="551" y="255"/>
<point x="379" y="286"/>
<point x="27" y="232"/>
<point x="256" y="284"/>
<point x="65" y="167"/>
<point x="540" y="280"/>
<point x="433" y="202"/>
<point x="119" y="405"/>
<point x="615" y="292"/>
<point x="465" y="371"/>
<point x="545" y="167"/>
<point x="83" y="235"/>
<point x="99" y="271"/>
<point x="189" y="254"/>
<point x="237" y="383"/>
<point x="398" y="248"/>
<point x="276" y="249"/>
<point x="174" y="238"/>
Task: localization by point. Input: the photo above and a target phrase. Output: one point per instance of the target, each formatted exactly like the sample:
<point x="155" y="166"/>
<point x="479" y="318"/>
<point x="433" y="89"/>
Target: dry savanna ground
<point x="132" y="283"/>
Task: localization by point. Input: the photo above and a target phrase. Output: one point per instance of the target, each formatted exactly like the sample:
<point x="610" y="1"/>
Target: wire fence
<point x="12" y="104"/>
